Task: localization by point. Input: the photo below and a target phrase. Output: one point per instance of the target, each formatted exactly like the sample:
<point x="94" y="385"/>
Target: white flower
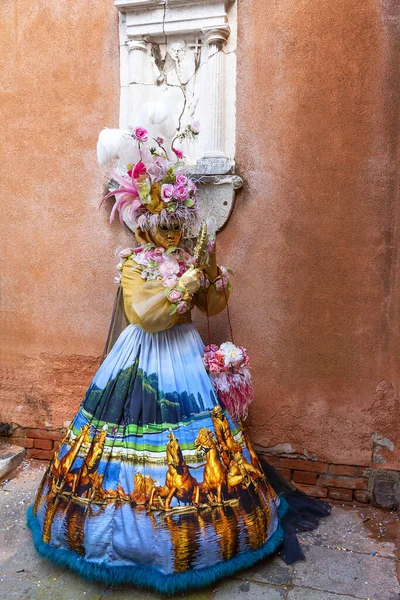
<point x="232" y="354"/>
<point x="119" y="266"/>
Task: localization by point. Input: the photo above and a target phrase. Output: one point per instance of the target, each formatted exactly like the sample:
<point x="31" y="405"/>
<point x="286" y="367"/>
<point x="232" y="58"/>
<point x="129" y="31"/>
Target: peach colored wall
<point x="59" y="88"/>
<point x="313" y="239"/>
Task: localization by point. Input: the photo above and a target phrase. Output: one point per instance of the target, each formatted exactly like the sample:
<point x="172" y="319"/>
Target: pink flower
<point x="160" y="140"/>
<point x="174" y="296"/>
<point x="167" y="190"/>
<point x="210" y="245"/>
<point x="178" y="153"/>
<point x="180" y="192"/>
<point x="214" y="367"/>
<point x="158" y="168"/>
<point x="245" y="356"/>
<point x="221" y="284"/>
<point x="204" y="281"/>
<point x="125" y="253"/>
<point x="196" y="126"/>
<point x="141" y="134"/>
<point x="211" y="348"/>
<point x="139" y="169"/>
<point x="169" y="268"/>
<point x="169" y="282"/>
<point x="182" y="267"/>
<point x="181" y="308"/>
<point x="154" y="254"/>
<point x="181" y="179"/>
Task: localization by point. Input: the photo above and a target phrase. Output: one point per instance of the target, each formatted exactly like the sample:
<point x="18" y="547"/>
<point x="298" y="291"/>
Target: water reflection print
<point x="154" y="472"/>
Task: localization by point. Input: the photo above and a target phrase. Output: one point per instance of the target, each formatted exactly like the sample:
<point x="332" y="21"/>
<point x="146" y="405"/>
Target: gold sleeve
<point x="145" y="302"/>
<point x="212" y="299"/>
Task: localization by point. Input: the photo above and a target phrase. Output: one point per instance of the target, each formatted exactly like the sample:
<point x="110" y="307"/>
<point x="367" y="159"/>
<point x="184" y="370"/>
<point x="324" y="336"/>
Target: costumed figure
<point x="156" y="482"/>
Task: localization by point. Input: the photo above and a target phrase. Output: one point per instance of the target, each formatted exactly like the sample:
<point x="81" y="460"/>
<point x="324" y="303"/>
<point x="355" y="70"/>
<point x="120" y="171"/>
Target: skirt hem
<point x="150" y="577"/>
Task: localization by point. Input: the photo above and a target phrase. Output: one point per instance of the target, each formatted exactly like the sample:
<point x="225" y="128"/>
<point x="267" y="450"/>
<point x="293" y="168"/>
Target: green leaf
<point x="173" y="309"/>
<point x="189" y="202"/>
<point x="170" y="250"/>
<point x="148" y="246"/>
<point x="229" y="286"/>
<point x="229" y="270"/>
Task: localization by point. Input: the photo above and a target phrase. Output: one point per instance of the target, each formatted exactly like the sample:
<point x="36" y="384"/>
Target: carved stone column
<point x="215" y="41"/>
<point x="137" y="71"/>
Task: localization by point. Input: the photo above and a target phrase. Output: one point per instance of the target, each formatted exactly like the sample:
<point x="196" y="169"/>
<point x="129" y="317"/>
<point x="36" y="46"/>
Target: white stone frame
<point x="183" y="53"/>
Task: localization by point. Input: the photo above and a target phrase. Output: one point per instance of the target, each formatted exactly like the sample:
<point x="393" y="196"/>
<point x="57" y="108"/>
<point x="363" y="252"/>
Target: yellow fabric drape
<point x="146" y="304"/>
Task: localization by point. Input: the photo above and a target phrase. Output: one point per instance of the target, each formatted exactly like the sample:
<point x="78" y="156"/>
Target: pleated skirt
<point x="154" y="484"/>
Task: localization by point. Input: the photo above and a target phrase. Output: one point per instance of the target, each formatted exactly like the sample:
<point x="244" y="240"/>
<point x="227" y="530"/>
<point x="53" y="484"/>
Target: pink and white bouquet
<point x="227" y="366"/>
<point x="156" y="190"/>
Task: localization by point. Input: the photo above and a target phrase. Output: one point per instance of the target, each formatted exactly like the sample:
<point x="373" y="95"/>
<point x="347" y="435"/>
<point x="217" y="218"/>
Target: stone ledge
<point x="10" y="457"/>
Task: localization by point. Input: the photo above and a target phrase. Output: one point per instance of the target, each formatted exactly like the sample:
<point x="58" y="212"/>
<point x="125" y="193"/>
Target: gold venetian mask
<point x="167" y="236"/>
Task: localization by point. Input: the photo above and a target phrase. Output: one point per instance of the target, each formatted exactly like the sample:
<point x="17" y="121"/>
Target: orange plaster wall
<point x="313" y="239"/>
<point x="60" y="87"/>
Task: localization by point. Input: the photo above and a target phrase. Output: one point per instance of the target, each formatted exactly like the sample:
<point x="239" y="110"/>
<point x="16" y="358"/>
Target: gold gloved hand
<point x="190" y="280"/>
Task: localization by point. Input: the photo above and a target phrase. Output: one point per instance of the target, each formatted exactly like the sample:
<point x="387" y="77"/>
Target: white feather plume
<point x="116" y="144"/>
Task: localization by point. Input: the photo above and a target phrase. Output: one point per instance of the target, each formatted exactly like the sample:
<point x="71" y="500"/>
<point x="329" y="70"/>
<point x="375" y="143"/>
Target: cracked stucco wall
<point x="313" y="239"/>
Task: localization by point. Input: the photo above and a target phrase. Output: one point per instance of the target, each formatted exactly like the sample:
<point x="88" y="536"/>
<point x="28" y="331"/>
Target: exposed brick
<point x="24" y="442"/>
<point x="342" y="470"/>
<point x="313" y="490"/>
<point x="44" y="444"/>
<point x="351" y="483"/>
<point x="286" y="473"/>
<point x="361" y="496"/>
<point x="340" y="494"/>
<point x="304" y="477"/>
<point x="40" y="454"/>
<point x="303" y="465"/>
<point x="271" y="459"/>
<point x="362" y="472"/>
<point x="44" y="434"/>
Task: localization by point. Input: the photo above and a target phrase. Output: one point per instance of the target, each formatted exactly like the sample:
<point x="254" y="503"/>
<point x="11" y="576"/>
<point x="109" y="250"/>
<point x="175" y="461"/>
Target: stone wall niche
<point x="183" y="54"/>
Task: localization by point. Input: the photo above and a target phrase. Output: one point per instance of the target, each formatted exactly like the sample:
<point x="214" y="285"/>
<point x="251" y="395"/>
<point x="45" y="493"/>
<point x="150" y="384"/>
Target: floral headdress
<point x="156" y="191"/>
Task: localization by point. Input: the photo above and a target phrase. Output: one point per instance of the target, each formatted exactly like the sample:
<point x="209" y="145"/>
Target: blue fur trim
<point x="150" y="577"/>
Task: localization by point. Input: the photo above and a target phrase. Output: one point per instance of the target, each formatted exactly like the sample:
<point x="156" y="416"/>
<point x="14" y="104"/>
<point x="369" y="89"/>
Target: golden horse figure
<point x="85" y="481"/>
<point x="144" y="485"/>
<point x="215" y="471"/>
<point x="178" y="482"/>
<point x="58" y="472"/>
<point x="61" y="466"/>
<point x="241" y="471"/>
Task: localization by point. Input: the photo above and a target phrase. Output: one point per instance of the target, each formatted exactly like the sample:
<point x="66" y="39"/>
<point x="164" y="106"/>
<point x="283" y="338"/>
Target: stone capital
<point x="137" y="44"/>
<point x="216" y="35"/>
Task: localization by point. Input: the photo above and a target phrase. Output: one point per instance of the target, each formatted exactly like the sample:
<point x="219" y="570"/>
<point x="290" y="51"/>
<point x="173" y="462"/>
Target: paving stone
<point x="307" y="594"/>
<point x="358" y="575"/>
<point x="71" y="587"/>
<point x="131" y="593"/>
<point x="344" y="528"/>
<point x="270" y="570"/>
<point x="246" y="590"/>
<point x="333" y="574"/>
